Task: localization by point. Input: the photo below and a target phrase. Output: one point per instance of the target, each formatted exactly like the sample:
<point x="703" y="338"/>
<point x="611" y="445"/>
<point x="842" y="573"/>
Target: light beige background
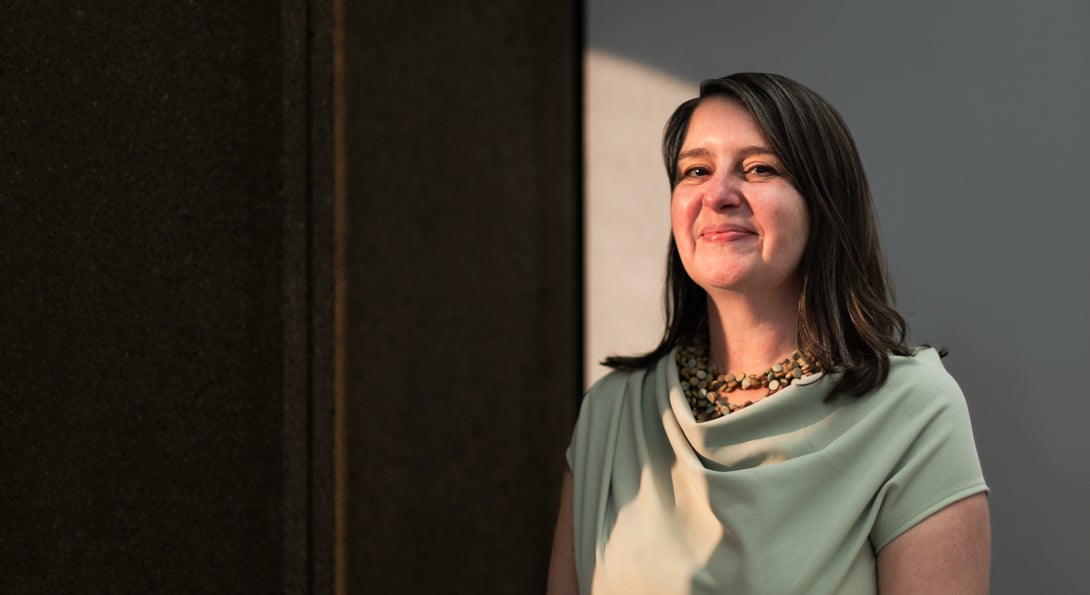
<point x="628" y="204"/>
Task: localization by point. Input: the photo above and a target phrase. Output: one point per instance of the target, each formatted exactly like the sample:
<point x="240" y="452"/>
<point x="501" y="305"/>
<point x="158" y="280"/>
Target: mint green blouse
<point x="790" y="495"/>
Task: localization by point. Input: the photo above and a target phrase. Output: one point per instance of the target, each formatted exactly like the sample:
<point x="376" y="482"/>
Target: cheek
<point x="786" y="223"/>
<point x="682" y="215"/>
<point x="797" y="217"/>
<point x="675" y="219"/>
<point x="802" y="220"/>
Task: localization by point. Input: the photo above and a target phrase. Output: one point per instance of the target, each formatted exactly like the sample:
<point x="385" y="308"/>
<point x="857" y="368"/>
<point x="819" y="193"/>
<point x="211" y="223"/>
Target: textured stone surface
<point x="140" y="323"/>
<point x="463" y="321"/>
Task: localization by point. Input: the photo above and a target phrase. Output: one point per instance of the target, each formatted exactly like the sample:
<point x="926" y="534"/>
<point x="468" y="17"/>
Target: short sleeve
<point x="569" y="454"/>
<point x="937" y="464"/>
<point x="594" y="409"/>
<point x="581" y="421"/>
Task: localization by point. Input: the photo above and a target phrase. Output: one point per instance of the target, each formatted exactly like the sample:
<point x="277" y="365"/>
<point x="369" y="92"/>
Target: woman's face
<point x="738" y="222"/>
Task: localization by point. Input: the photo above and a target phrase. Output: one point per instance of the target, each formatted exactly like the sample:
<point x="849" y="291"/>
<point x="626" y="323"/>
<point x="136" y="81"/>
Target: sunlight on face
<point x="739" y="223"/>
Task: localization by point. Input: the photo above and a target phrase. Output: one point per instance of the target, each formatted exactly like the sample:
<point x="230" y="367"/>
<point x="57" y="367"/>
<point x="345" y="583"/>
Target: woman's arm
<point x="948" y="552"/>
<point x="562" y="577"/>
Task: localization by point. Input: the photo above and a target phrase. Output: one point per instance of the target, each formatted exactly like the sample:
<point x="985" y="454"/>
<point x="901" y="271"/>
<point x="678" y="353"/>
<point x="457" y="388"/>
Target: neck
<point x="748" y="333"/>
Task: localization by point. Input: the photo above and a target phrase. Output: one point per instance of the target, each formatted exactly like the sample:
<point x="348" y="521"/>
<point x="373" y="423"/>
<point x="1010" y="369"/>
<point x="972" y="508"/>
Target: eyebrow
<point x="701" y="152"/>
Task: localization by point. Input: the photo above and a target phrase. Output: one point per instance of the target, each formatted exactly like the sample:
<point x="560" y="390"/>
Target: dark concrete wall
<point x="464" y="290"/>
<point x="155" y="326"/>
<point x="167" y="290"/>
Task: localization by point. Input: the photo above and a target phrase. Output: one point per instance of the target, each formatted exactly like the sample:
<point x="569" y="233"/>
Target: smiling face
<point x="738" y="222"/>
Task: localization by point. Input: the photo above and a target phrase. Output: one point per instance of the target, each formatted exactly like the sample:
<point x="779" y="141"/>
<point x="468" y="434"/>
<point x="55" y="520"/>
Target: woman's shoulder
<point x="921" y="379"/>
<point x="616" y="383"/>
<point x="923" y="367"/>
<point x="613" y="389"/>
<point x="609" y="401"/>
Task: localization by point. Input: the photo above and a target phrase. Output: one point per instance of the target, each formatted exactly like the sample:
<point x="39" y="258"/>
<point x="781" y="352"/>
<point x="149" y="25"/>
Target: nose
<point x="721" y="193"/>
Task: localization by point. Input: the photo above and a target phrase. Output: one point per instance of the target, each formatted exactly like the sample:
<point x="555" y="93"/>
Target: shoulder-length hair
<point x="845" y="317"/>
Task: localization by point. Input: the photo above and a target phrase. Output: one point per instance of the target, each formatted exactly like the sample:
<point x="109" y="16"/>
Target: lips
<point x="726" y="232"/>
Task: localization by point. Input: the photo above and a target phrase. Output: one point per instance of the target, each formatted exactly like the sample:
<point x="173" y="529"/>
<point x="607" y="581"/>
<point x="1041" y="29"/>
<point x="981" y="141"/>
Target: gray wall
<point x="973" y="120"/>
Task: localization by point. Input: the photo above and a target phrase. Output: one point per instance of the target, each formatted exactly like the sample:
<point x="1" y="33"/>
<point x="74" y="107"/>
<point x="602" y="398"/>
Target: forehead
<point x="719" y="118"/>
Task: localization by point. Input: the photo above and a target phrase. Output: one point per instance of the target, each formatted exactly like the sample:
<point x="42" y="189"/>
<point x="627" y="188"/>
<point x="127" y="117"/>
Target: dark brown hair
<point x="845" y="312"/>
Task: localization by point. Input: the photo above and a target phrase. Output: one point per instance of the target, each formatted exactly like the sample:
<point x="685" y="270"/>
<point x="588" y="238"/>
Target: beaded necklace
<point x="706" y="389"/>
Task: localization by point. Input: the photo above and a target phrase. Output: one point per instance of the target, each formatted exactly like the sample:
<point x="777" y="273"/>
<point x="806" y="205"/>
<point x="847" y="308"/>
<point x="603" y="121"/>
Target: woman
<point x="782" y="438"/>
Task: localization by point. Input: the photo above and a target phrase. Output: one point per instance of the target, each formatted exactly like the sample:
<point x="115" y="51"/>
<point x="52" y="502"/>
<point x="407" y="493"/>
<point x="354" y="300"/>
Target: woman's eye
<point x="696" y="172"/>
<point x="760" y="169"/>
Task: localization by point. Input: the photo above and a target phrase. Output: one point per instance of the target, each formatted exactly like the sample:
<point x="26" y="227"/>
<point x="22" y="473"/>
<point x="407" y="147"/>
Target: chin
<point x="722" y="283"/>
